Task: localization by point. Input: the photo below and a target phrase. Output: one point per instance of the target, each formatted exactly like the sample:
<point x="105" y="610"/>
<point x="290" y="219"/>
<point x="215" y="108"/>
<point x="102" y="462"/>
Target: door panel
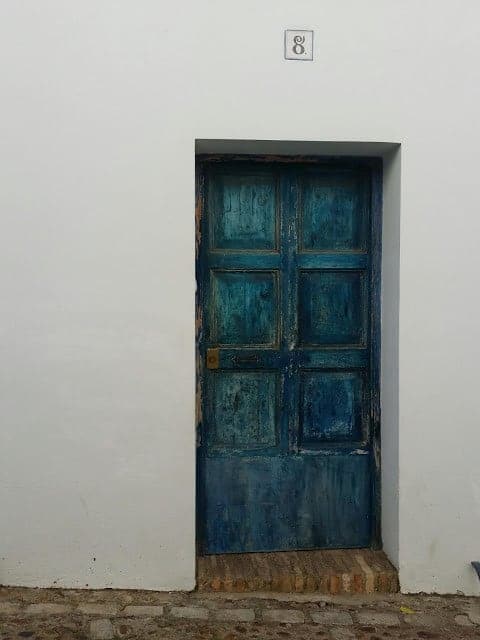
<point x="286" y="319"/>
<point x="332" y="308"/>
<point x="286" y="502"/>
<point x="331" y="407"/>
<point x="244" y="308"/>
<point x="244" y="212"/>
<point x="244" y="409"/>
<point x="332" y="215"/>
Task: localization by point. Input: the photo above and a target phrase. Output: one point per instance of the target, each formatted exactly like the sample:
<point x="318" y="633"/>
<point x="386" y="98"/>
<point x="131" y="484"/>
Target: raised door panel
<point x="331" y="407"/>
<point x="244" y="209"/>
<point x="244" y="410"/>
<point x="332" y="308"/>
<point x="244" y="308"/>
<point x="333" y="213"/>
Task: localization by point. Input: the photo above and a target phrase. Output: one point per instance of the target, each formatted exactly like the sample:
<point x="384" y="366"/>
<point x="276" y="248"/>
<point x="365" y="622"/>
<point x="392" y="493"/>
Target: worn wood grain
<point x="288" y="288"/>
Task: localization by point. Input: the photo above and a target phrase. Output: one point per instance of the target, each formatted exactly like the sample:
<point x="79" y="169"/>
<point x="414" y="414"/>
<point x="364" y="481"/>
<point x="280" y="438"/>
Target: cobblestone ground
<point x="46" y="614"/>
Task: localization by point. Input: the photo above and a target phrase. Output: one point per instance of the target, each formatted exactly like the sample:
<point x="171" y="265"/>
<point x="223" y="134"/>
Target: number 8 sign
<point x="298" y="45"/>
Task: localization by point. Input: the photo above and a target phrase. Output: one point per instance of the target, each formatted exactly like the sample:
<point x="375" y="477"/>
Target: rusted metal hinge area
<point x="213" y="358"/>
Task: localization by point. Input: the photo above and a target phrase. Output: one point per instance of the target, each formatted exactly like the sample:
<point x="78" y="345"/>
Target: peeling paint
<point x="284" y="275"/>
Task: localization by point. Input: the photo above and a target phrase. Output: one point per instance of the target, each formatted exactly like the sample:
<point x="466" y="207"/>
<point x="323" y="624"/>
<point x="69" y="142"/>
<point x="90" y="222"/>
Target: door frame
<point x="375" y="165"/>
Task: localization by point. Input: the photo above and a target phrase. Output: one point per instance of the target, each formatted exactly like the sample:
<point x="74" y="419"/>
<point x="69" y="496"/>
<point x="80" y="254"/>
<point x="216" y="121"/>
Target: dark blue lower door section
<point x="288" y="502"/>
<point x="287" y="280"/>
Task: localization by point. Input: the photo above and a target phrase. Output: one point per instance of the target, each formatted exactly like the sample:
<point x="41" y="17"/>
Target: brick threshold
<point x="338" y="571"/>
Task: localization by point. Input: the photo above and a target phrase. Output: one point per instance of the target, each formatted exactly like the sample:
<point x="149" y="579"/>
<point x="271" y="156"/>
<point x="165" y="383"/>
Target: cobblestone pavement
<point x="48" y="614"/>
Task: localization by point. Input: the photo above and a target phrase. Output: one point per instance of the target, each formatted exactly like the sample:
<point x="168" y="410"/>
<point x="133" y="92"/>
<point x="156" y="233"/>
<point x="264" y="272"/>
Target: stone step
<point x="325" y="571"/>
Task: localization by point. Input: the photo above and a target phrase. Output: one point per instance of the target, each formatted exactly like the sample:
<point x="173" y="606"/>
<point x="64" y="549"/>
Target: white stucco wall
<point x="100" y="105"/>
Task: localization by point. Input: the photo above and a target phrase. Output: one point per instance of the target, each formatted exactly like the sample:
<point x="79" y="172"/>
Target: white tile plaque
<point x="298" y="45"/>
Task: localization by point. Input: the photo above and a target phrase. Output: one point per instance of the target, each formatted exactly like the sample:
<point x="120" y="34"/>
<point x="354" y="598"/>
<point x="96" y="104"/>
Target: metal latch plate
<point x="213" y="358"/>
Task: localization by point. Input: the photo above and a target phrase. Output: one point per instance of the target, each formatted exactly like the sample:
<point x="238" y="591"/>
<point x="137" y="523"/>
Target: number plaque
<point x="298" y="45"/>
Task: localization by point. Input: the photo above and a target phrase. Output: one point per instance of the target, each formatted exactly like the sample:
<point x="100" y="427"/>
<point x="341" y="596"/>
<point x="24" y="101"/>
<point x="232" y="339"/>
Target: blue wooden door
<point x="288" y="321"/>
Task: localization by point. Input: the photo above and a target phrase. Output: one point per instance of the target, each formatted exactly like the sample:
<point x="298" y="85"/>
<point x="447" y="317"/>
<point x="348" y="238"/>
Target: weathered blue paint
<point x="244" y="410"/>
<point x="288" y="285"/>
<point x="333" y="212"/>
<point x="244" y="308"/>
<point x="287" y="502"/>
<point x="243" y="212"/>
<point x="332" y="308"/>
<point x="331" y="407"/>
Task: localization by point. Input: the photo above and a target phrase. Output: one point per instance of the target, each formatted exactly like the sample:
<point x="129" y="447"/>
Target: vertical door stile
<point x="288" y="308"/>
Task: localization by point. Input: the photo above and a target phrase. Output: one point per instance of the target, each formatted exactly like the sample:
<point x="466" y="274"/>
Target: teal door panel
<point x="288" y="308"/>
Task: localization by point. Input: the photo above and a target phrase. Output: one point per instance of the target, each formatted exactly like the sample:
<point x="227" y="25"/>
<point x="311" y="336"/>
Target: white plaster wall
<point x="100" y="104"/>
<point x="389" y="365"/>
